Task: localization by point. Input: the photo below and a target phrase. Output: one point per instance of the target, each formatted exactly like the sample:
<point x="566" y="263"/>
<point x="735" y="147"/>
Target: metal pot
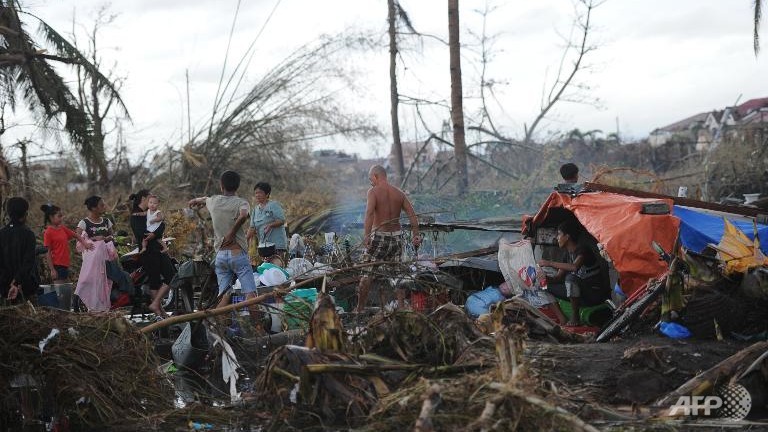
<point x="266" y="249"/>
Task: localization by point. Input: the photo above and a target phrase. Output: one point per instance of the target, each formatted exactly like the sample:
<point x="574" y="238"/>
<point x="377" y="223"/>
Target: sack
<point x="519" y="268"/>
<point x="480" y="303"/>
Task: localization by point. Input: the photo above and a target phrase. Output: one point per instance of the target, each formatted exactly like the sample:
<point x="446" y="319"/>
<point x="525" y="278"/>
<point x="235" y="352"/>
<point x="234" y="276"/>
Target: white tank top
<point x="151" y="227"/>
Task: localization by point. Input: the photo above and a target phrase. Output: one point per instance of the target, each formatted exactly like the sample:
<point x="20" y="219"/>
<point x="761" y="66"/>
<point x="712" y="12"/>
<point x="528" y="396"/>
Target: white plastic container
<point x="276" y="314"/>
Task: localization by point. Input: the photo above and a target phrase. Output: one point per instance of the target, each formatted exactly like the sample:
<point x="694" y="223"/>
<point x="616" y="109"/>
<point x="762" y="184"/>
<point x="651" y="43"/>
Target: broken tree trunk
<point x="706" y="380"/>
<point x="325" y="330"/>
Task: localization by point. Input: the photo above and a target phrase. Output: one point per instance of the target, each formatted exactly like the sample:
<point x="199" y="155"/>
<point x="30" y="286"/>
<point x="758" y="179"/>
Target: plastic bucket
<point x="64" y="292"/>
<point x="298" y="307"/>
<point x="589" y="315"/>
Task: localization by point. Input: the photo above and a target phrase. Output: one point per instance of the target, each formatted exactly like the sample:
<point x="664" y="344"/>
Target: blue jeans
<point x="229" y="265"/>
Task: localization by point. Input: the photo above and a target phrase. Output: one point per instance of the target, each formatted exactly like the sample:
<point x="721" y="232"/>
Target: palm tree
<point x="27" y="68"/>
<point x="576" y="136"/>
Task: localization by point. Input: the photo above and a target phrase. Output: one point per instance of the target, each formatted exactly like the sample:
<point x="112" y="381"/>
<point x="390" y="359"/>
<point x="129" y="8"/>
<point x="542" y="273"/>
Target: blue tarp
<point x="697" y="229"/>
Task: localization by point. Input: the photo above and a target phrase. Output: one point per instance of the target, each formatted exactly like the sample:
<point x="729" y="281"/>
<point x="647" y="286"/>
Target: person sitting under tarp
<point x="584" y="281"/>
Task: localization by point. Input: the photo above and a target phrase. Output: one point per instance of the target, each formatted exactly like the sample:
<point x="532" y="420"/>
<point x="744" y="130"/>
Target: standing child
<point x="155" y="219"/>
<point x="56" y="237"/>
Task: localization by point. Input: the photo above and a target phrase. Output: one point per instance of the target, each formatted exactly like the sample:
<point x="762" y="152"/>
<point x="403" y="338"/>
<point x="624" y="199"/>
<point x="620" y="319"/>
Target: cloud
<point x="658" y="60"/>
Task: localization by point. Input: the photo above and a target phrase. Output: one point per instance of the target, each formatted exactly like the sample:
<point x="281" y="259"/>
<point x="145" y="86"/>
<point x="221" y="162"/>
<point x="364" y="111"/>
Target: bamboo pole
<point x="279" y="290"/>
<point x="207" y="313"/>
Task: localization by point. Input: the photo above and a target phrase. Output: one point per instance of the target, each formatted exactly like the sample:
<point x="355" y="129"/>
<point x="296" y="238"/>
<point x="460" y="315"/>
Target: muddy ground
<point x="605" y="376"/>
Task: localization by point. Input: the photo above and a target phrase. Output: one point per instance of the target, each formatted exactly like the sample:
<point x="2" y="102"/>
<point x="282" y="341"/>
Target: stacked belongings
<point x="735" y="303"/>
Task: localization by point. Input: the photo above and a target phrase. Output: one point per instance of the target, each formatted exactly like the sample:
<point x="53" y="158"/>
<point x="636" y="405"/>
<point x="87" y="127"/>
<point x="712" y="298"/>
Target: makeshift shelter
<point x="624" y="225"/>
<point x="699" y="227"/>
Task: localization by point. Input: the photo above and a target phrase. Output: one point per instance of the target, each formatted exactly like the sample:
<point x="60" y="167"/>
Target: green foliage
<point x="27" y="67"/>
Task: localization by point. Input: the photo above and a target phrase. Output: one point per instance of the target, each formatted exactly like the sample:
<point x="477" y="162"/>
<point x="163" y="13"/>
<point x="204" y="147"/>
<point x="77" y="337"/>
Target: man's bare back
<point x="381" y="237"/>
<point x="388" y="201"/>
<point x="385" y="203"/>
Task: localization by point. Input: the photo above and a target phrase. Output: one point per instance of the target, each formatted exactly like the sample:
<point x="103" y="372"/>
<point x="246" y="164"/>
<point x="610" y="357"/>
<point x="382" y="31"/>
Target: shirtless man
<point x="382" y="237"/>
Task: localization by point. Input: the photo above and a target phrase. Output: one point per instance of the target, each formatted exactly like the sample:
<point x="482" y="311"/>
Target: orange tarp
<point x="616" y="222"/>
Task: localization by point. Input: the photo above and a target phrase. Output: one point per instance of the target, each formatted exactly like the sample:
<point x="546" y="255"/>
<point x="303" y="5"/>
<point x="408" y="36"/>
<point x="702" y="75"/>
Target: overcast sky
<point x="657" y="61"/>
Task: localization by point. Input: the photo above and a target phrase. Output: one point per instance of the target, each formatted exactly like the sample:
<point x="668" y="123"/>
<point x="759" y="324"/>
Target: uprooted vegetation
<point x="399" y="371"/>
<point x="97" y="367"/>
<point x="431" y="370"/>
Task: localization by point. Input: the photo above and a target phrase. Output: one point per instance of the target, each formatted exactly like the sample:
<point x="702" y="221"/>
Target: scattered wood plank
<point x="705" y="381"/>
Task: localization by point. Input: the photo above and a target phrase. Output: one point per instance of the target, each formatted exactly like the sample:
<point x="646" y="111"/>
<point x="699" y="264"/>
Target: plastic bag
<point x="674" y="330"/>
<point x="518" y="266"/>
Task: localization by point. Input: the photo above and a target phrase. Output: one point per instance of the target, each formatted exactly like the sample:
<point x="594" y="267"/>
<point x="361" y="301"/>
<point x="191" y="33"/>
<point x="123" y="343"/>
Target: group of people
<point x="382" y="235"/>
<point x="579" y="279"/>
<point x="234" y="226"/>
<point x="94" y="234"/>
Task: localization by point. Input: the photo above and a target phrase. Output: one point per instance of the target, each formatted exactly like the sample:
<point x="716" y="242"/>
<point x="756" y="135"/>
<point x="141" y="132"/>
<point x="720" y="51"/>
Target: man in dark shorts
<point x="383" y="235"/>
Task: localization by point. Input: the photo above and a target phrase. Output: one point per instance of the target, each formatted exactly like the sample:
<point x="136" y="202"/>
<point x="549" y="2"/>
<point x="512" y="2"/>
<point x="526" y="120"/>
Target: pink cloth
<point x="93" y="287"/>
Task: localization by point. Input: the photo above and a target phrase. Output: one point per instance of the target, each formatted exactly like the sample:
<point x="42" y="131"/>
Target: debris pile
<point x="95" y="369"/>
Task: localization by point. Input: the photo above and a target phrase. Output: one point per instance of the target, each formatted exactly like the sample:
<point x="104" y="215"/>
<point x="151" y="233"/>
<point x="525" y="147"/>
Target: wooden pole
<point x="704" y="381"/>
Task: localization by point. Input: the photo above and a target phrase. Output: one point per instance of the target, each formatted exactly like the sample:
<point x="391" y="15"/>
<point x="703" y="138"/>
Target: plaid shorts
<point x="384" y="246"/>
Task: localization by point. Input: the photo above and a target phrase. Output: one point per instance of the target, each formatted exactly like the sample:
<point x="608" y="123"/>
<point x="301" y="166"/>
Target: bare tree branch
<point x="559" y="86"/>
